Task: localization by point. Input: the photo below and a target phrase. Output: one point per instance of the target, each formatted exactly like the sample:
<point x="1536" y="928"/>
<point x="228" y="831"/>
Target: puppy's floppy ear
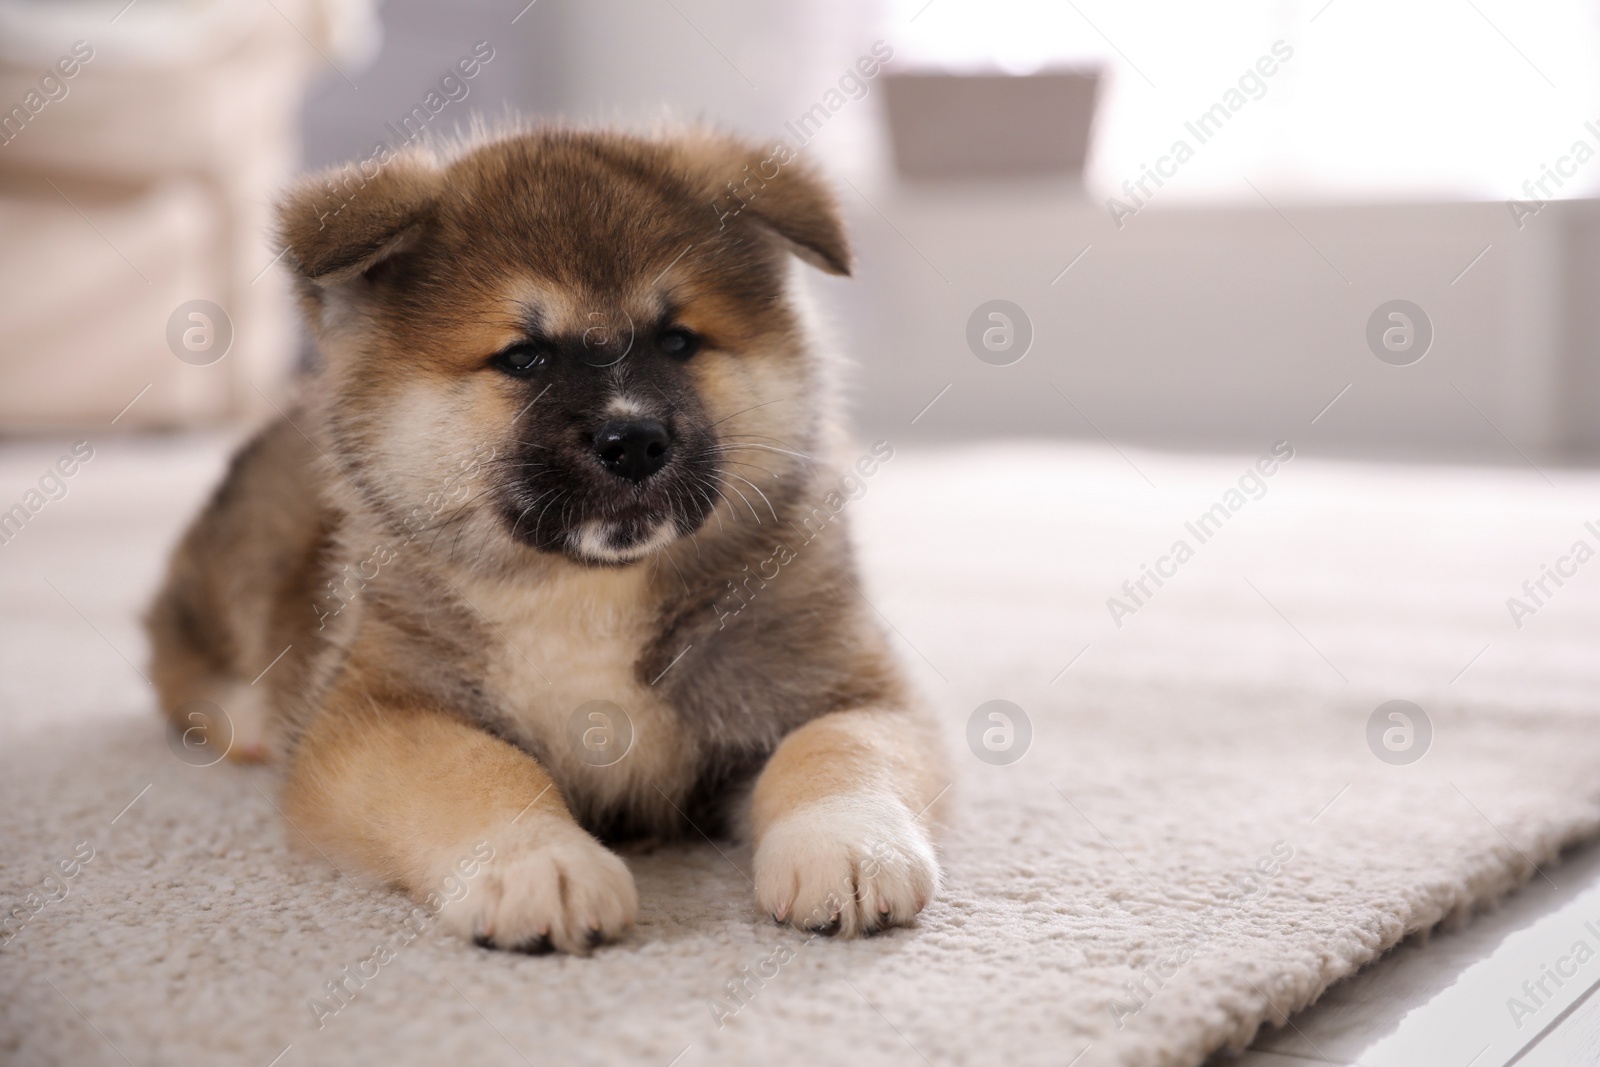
<point x="771" y="188"/>
<point x="341" y="223"/>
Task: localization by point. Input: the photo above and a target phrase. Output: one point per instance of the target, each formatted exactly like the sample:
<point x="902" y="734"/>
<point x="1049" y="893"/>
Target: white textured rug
<point x="1198" y="838"/>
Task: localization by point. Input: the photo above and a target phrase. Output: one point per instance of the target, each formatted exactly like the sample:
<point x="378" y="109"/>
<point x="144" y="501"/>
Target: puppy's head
<point x="605" y="318"/>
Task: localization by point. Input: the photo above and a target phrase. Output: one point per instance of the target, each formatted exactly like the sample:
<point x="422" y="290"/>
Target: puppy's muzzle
<point x="633" y="448"/>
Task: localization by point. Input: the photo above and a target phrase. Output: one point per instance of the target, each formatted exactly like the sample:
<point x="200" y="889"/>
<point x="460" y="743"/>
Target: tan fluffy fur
<point x="430" y="711"/>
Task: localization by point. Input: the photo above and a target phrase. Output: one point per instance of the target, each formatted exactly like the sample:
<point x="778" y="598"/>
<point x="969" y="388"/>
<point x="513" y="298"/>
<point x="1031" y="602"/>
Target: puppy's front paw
<point x="847" y="865"/>
<point x="559" y="891"/>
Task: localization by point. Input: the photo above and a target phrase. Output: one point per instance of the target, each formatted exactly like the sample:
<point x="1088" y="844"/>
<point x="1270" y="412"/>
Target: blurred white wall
<point x="1231" y="308"/>
<point x="140" y="148"/>
<point x="1233" y="326"/>
<point x="1427" y="99"/>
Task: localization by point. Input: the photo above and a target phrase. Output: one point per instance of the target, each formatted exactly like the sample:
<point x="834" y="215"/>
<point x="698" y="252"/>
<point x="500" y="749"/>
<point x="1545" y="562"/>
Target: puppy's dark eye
<point x="679" y="343"/>
<point x="519" y="361"/>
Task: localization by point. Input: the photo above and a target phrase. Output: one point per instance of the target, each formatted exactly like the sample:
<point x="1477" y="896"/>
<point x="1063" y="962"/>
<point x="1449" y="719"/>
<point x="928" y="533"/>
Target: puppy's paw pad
<point x="563" y="892"/>
<point x="846" y="866"/>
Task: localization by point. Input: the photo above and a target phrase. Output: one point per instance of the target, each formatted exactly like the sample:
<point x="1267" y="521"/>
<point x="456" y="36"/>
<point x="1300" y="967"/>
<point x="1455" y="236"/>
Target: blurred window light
<point x="1474" y="99"/>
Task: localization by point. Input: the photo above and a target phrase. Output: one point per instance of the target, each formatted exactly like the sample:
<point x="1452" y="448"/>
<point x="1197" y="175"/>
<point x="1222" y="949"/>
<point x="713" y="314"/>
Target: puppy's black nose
<point x="633" y="448"/>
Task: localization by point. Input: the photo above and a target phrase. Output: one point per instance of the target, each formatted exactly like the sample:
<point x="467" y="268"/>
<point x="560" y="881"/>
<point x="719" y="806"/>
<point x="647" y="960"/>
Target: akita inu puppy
<point x="566" y="404"/>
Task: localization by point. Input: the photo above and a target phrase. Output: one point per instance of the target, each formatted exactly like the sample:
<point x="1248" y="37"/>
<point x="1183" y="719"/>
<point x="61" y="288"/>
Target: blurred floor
<point x="1225" y="713"/>
<point x="1397" y="1011"/>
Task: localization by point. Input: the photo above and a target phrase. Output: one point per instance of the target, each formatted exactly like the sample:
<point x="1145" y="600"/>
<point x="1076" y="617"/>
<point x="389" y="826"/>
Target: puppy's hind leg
<point x="226" y="718"/>
<point x="237" y="594"/>
<point x="213" y="712"/>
